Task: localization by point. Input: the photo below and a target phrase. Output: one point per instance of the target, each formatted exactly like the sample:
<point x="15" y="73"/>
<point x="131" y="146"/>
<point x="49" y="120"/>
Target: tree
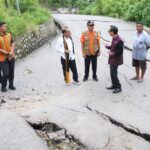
<point x="6" y="3"/>
<point x="18" y="7"/>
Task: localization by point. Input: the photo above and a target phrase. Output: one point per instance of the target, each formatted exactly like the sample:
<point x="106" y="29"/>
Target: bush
<point x="87" y="11"/>
<point x="28" y="20"/>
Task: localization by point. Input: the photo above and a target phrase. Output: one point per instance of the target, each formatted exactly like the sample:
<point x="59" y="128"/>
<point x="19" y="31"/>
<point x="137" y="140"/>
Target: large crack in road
<point x="131" y="130"/>
<point x="56" y="137"/>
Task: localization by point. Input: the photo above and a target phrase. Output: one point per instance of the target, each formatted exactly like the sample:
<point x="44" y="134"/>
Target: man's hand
<point x="106" y="45"/>
<point x="110" y="53"/>
<point x="67" y="51"/>
<point x="11" y="54"/>
<point x="99" y="53"/>
<point x="83" y="54"/>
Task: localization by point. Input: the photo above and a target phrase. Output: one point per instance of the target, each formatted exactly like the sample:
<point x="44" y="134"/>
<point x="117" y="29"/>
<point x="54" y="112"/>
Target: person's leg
<point x="87" y="66"/>
<point x="143" y="67"/>
<point x="136" y="64"/>
<point x="63" y="63"/>
<point x="11" y="64"/>
<point x="114" y="77"/>
<point x="137" y="69"/>
<point x="5" y="72"/>
<point x="94" y="66"/>
<point x="73" y="68"/>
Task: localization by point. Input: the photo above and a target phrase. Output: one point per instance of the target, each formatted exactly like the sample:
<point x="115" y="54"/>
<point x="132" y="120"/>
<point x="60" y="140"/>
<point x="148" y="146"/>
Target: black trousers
<point x="88" y="61"/>
<point x="11" y="65"/>
<point x="114" y="76"/>
<point x="0" y="76"/>
<point x="7" y="72"/>
<point x="72" y="66"/>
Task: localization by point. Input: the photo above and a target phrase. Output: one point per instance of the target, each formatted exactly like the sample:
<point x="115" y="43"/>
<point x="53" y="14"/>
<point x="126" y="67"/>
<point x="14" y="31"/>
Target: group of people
<point x="91" y="50"/>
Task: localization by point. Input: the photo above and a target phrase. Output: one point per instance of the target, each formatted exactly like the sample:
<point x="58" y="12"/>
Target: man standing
<point x="115" y="59"/>
<point x="90" y="41"/>
<point x="140" y="48"/>
<point x="7" y="58"/>
<point x="65" y="47"/>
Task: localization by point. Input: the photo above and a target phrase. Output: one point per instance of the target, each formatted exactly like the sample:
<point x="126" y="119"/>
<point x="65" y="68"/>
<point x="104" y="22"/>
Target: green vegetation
<point x="24" y="15"/>
<point x="134" y="10"/>
<point x="25" y="18"/>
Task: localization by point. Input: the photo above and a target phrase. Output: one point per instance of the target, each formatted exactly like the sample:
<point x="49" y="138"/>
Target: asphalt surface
<point x="89" y="112"/>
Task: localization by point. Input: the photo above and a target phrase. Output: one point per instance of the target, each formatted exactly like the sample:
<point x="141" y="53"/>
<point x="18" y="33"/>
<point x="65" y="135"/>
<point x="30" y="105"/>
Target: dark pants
<point x="0" y="76"/>
<point x="72" y="66"/>
<point x="88" y="60"/>
<point x="11" y="65"/>
<point x="7" y="69"/>
<point x="114" y="76"/>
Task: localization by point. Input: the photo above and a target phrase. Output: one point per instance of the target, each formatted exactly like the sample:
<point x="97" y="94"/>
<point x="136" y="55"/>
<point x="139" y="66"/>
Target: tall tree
<point x="18" y="7"/>
<point x="6" y="3"/>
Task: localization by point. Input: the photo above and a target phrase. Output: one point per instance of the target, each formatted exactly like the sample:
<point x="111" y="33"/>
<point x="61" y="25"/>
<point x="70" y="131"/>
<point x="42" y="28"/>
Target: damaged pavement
<point x="86" y="116"/>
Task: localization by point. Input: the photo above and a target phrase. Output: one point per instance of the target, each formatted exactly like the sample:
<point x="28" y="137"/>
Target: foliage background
<point x="32" y="15"/>
<point x="36" y="12"/>
<point x="133" y="10"/>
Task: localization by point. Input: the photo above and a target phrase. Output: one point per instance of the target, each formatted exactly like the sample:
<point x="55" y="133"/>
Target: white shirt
<point x="61" y="50"/>
<point x="141" y="45"/>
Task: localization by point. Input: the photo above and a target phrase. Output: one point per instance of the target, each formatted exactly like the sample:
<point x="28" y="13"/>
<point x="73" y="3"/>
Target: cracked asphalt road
<point x="44" y="97"/>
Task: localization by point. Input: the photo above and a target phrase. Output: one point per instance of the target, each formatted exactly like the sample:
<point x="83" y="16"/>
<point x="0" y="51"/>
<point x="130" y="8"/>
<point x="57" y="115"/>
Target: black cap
<point x="113" y="29"/>
<point x="90" y="23"/>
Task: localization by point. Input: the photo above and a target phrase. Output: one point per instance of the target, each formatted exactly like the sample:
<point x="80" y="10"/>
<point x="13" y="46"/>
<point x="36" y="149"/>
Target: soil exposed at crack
<point x="56" y="137"/>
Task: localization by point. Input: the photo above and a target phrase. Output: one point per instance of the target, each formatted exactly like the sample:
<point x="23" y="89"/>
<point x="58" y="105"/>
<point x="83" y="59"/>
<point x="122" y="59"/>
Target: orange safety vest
<point x="5" y="44"/>
<point x="91" y="43"/>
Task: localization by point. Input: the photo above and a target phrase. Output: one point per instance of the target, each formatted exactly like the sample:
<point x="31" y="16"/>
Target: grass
<point x="27" y="21"/>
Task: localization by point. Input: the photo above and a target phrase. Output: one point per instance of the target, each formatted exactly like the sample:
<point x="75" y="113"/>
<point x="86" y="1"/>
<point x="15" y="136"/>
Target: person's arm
<point x="82" y="45"/>
<point x="147" y="41"/>
<point x="119" y="49"/>
<point x="11" y="53"/>
<point x="99" y="47"/>
<point x="60" y="46"/>
<point x="4" y="52"/>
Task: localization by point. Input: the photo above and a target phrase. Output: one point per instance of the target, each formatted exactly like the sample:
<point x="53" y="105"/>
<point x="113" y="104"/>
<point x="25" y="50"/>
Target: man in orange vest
<point x="7" y="58"/>
<point x="90" y="41"/>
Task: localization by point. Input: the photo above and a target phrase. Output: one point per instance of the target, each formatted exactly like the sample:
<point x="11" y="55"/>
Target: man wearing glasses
<point x="90" y="41"/>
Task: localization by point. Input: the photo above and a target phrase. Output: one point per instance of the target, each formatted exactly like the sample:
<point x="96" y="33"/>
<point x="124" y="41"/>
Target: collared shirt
<point x="91" y="38"/>
<point x="141" y="45"/>
<point x="61" y="50"/>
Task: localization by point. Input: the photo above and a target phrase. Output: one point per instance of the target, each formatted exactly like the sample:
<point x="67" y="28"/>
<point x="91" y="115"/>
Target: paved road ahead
<point x="45" y="98"/>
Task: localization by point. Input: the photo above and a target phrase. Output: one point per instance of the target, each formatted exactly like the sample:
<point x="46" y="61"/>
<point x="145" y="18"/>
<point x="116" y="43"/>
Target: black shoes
<point x="118" y="90"/>
<point x="3" y="89"/>
<point x="95" y="79"/>
<point x="85" y="79"/>
<point x="115" y="90"/>
<point x="12" y="88"/>
<point x="110" y="88"/>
